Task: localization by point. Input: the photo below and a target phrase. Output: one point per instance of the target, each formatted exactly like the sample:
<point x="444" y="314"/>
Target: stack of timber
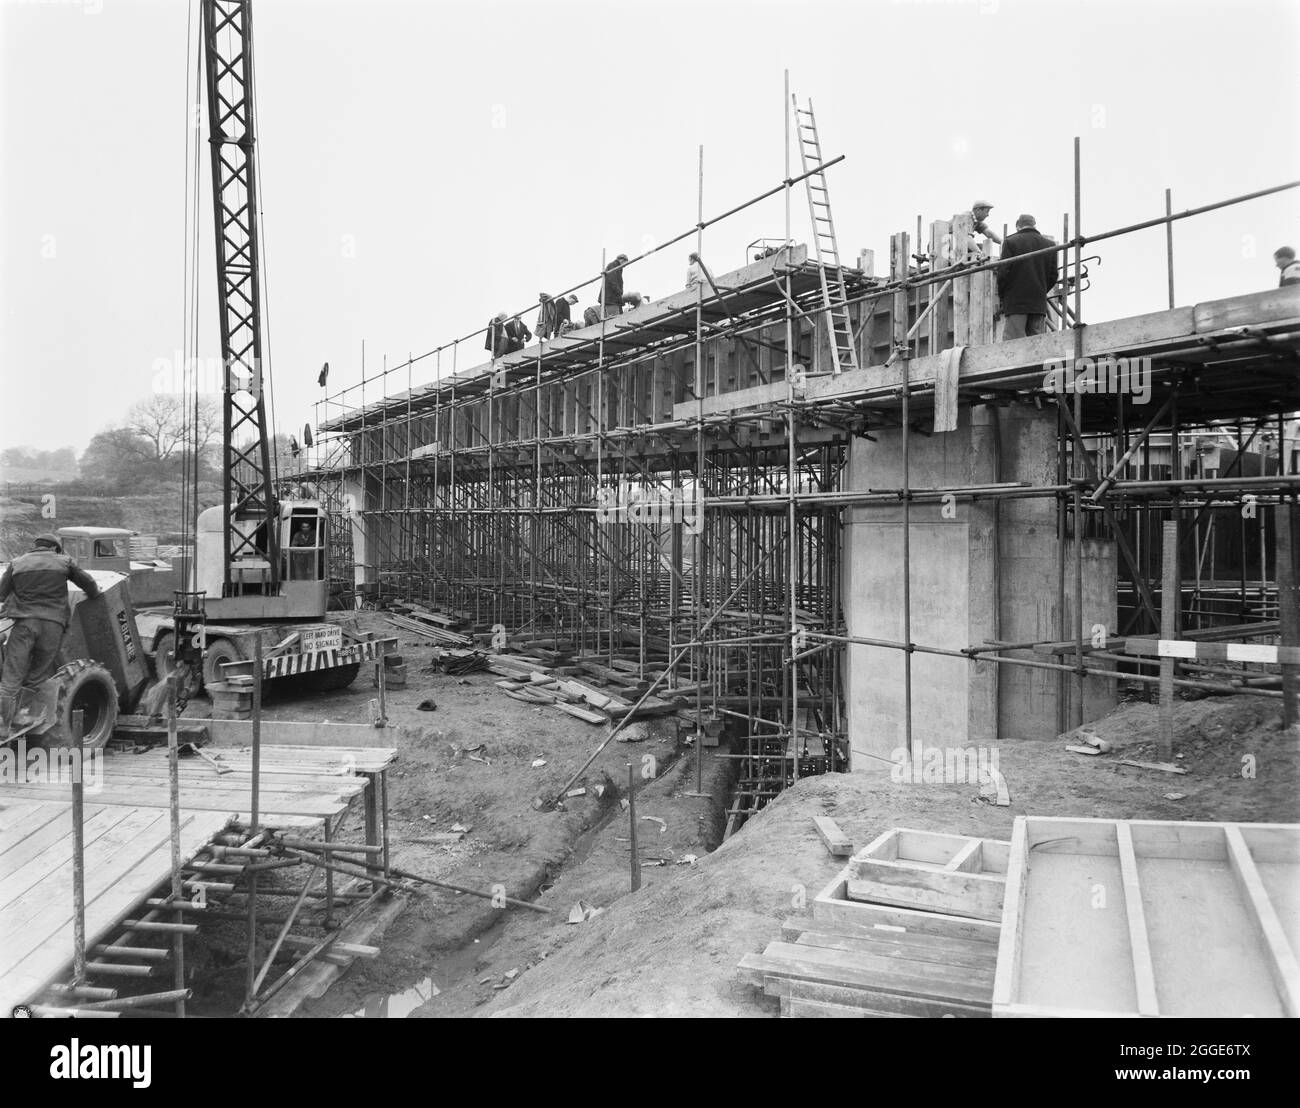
<point x="433" y="626"/>
<point x="908" y="928"/>
<point x="1148" y="918"/>
<point x="608" y="692"/>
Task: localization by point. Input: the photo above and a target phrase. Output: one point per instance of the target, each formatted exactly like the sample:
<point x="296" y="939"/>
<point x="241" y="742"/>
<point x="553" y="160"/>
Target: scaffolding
<point x="668" y="489"/>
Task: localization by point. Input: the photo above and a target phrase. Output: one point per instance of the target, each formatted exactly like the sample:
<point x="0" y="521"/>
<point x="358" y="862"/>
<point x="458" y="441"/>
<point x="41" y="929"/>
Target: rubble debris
<point x="1163" y="767"/>
<point x="581" y="912"/>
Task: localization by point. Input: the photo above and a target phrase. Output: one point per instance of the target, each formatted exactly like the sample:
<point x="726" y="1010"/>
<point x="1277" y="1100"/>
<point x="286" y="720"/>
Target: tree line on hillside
<point x="156" y="441"/>
<point x="152" y="448"/>
<point x="62" y="462"/>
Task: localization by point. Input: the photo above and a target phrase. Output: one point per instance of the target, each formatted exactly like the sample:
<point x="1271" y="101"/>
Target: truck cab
<point x="102" y="548"/>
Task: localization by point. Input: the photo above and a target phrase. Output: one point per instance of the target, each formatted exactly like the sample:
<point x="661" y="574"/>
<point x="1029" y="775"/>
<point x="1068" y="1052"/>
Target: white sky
<point x="428" y="164"/>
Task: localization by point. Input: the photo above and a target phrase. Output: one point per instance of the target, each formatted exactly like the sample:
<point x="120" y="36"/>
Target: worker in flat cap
<point x="1024" y="284"/>
<point x="1288" y="267"/>
<point x="34" y="592"/>
<point x="980" y="213"/>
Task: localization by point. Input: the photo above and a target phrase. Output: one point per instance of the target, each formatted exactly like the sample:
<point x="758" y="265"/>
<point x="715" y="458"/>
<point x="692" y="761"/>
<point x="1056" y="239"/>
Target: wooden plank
<point x="1069" y="836"/>
<point x="1270" y="842"/>
<point x="1139" y="943"/>
<point x="278" y="733"/>
<point x="27" y="819"/>
<point x="228" y="801"/>
<point x="582" y="713"/>
<point x="202" y="776"/>
<point x="883" y="1005"/>
<point x="1006" y="981"/>
<point x="23" y="814"/>
<point x="1280" y="957"/>
<point x="836" y="841"/>
<point x="970" y="859"/>
<point x="23" y="878"/>
<point x="793" y="1008"/>
<point x="975" y="956"/>
<point x="104" y="858"/>
<point x="884" y="846"/>
<point x="935" y="847"/>
<point x="831" y="905"/>
<point x="836" y="967"/>
<point x="95" y="820"/>
<point x="959" y="894"/>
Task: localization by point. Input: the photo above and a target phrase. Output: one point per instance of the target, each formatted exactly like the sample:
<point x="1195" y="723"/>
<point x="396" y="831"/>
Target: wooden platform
<point x="128" y="855"/>
<point x="127" y="837"/>
<point x="1144" y="918"/>
<point x="300" y="785"/>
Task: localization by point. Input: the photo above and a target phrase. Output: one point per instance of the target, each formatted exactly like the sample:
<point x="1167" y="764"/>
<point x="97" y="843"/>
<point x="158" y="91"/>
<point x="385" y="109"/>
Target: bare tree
<point x="166" y="424"/>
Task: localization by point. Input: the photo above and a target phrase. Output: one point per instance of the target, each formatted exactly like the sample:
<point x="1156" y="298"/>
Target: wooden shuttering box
<point x="902" y="930"/>
<point x="1146" y="918"/>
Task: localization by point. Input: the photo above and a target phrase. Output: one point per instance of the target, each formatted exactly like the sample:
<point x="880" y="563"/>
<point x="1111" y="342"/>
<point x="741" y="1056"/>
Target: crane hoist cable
<point x="267" y="379"/>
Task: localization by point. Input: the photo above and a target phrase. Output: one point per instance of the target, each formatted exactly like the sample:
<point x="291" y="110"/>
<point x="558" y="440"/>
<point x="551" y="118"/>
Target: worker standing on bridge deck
<point x="611" y="293"/>
<point x="517" y="334"/>
<point x="1023" y="285"/>
<point x="1284" y="258"/>
<point x="694" y="271"/>
<point x="554" y="314"/>
<point x="34" y="590"/>
<point x="495" y="343"/>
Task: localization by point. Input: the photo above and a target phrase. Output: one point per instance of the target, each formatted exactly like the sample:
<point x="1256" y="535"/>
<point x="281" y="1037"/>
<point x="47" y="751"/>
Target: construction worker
<point x="611" y="293"/>
<point x="303" y="565"/>
<point x="1284" y="259"/>
<point x="554" y="314"/>
<point x="980" y="213"/>
<point x="1023" y="285"/>
<point x="517" y="334"/>
<point x="34" y="591"/>
<point x="496" y="335"/>
<point x="694" y="271"/>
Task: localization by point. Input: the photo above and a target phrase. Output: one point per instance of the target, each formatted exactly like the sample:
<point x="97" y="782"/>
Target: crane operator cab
<point x="300" y="587"/>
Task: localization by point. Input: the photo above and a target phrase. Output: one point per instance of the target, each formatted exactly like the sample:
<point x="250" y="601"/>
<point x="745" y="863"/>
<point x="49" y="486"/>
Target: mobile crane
<point x="260" y="568"/>
<point x="259" y="572"/>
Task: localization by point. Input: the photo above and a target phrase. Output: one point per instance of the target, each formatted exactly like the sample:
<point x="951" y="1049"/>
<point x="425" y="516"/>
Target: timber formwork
<point x="668" y="488"/>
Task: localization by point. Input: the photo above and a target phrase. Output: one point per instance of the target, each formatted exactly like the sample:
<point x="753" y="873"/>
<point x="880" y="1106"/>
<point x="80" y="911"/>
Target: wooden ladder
<point x="834" y="294"/>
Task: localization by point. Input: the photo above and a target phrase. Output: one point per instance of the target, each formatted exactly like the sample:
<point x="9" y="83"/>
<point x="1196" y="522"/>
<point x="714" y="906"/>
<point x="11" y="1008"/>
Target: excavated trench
<point x="438" y="947"/>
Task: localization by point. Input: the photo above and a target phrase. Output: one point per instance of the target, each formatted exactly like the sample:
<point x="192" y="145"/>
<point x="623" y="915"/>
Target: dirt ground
<point x="469" y="763"/>
<point x="671" y="948"/>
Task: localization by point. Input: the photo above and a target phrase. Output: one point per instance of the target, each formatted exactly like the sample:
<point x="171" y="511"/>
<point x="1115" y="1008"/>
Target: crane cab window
<point x="306" y="554"/>
<point x="106" y="548"/>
